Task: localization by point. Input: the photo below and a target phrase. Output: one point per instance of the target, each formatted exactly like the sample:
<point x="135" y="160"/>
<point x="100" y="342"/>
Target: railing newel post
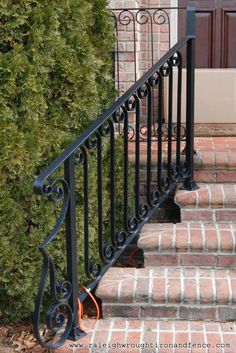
<point x="189" y="183"/>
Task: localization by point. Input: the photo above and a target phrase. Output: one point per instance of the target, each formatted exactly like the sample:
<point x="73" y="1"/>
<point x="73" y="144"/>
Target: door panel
<point x="204" y="41"/>
<point x="215" y="32"/>
<point x="229" y="38"/>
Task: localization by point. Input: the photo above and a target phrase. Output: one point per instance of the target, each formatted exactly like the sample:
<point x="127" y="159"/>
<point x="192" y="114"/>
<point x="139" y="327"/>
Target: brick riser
<point x="174" y="293"/>
<point x="189" y="244"/>
<point x="210" y="203"/>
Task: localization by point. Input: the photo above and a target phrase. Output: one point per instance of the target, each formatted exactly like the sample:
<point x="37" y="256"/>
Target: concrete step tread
<point x="168" y="286"/>
<point x="208" y="196"/>
<point x="188" y="237"/>
<point x="120" y="335"/>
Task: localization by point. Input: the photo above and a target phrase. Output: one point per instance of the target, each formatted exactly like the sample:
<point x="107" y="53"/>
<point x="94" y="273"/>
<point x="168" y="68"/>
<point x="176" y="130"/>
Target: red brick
<point x="211" y="240"/>
<point x="233" y="286"/>
<point x="198" y="260"/>
<point x="161" y="260"/>
<point x="226" y="177"/>
<point x="225" y="215"/>
<point x="213" y="339"/>
<point x="230" y="342"/>
<point x="127" y="291"/>
<point x="119" y="324"/>
<point x="181" y="240"/>
<point x="120" y="310"/>
<point x="205" y="176"/>
<point x="159" y="311"/>
<point x="197" y="215"/>
<point x="203" y="197"/>
<point x="231" y="160"/>
<point x="222" y="291"/>
<point x="227" y="313"/>
<point x="220" y="159"/>
<point x="206" y="291"/>
<point x="196" y="243"/>
<point x="158" y="290"/>
<point x="216" y="196"/>
<point x="226" y="240"/>
<point x="118" y="337"/>
<point x="197" y="339"/>
<point x="182" y="339"/>
<point x="174" y="290"/>
<point x="230" y="195"/>
<point x="100" y="337"/>
<point x="166" y="241"/>
<point x="135" y="325"/>
<point x="185" y="199"/>
<point x="202" y="313"/>
<point x="142" y="290"/>
<point x="165" y="338"/>
<point x="208" y="159"/>
<point x="227" y="261"/>
<point x="108" y="291"/>
<point x="133" y="338"/>
<point x="190" y="291"/>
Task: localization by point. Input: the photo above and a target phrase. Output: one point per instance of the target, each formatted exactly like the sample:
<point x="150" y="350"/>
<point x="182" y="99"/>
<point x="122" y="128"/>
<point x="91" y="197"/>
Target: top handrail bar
<point x="150" y="8"/>
<point x="39" y="182"/>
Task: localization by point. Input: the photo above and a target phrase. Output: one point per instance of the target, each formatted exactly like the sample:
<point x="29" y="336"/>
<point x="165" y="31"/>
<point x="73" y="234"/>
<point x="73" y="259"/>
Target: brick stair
<point x="169" y="292"/>
<point x="186" y="291"/>
<point x="210" y="203"/>
<point x="189" y="244"/>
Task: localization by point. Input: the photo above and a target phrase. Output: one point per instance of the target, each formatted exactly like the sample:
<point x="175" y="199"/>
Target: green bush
<point x="53" y="54"/>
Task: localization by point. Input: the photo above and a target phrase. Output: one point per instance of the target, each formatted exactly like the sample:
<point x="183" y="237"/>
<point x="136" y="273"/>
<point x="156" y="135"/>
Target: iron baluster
<point x="179" y="111"/>
<point x="71" y="245"/>
<point x="149" y="143"/>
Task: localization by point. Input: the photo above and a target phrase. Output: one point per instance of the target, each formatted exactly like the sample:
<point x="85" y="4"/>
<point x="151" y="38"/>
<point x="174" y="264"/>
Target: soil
<point x="19" y="338"/>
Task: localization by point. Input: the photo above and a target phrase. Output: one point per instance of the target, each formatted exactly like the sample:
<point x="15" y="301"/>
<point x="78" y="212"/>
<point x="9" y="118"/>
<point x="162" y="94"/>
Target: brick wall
<point x="143" y="45"/>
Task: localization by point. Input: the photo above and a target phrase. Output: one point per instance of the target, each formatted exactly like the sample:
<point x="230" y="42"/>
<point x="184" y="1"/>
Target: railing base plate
<point x="190" y="185"/>
<point x="76" y="334"/>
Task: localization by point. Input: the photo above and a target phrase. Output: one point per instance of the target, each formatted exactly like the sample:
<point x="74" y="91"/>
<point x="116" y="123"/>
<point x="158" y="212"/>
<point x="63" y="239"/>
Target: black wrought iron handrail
<point x="62" y="314"/>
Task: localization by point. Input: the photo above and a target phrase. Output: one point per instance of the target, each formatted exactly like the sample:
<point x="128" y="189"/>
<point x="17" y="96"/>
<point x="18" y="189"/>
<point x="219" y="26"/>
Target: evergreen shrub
<point x="55" y="65"/>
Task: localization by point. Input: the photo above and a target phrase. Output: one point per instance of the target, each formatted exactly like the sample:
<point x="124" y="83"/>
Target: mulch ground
<point x="19" y="338"/>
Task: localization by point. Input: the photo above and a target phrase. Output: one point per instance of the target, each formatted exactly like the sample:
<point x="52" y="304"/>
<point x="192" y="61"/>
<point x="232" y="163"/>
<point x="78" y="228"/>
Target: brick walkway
<point x="132" y="336"/>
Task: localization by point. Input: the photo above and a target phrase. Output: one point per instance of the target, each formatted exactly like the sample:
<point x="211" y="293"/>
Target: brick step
<point x="121" y="335"/>
<point x="210" y="203"/>
<point x="189" y="244"/>
<point x="210" y="167"/>
<point x="176" y="293"/>
<point x="203" y="159"/>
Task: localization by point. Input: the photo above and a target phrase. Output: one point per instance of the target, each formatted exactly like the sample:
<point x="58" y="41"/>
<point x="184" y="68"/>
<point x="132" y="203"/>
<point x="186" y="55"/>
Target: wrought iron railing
<point x="140" y="33"/>
<point x="58" y="184"/>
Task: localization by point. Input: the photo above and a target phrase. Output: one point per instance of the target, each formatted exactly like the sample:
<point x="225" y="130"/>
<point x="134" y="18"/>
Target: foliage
<point x="53" y="54"/>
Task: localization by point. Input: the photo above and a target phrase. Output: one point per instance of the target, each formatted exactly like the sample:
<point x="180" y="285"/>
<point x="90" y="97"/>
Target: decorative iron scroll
<point x="171" y="168"/>
<point x="130" y="24"/>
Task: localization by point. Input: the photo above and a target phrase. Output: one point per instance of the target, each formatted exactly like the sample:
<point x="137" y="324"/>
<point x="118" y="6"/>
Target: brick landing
<point x="151" y="336"/>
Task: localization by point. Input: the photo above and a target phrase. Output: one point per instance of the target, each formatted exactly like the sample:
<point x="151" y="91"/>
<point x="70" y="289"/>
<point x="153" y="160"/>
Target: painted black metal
<point x="190" y="183"/>
<point x="62" y="316"/>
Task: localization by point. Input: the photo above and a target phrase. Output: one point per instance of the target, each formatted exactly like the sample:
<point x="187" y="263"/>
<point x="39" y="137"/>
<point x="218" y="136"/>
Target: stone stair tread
<point x="165" y="286"/>
<point x="118" y="334"/>
<point x="188" y="237"/>
<point x="208" y="196"/>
